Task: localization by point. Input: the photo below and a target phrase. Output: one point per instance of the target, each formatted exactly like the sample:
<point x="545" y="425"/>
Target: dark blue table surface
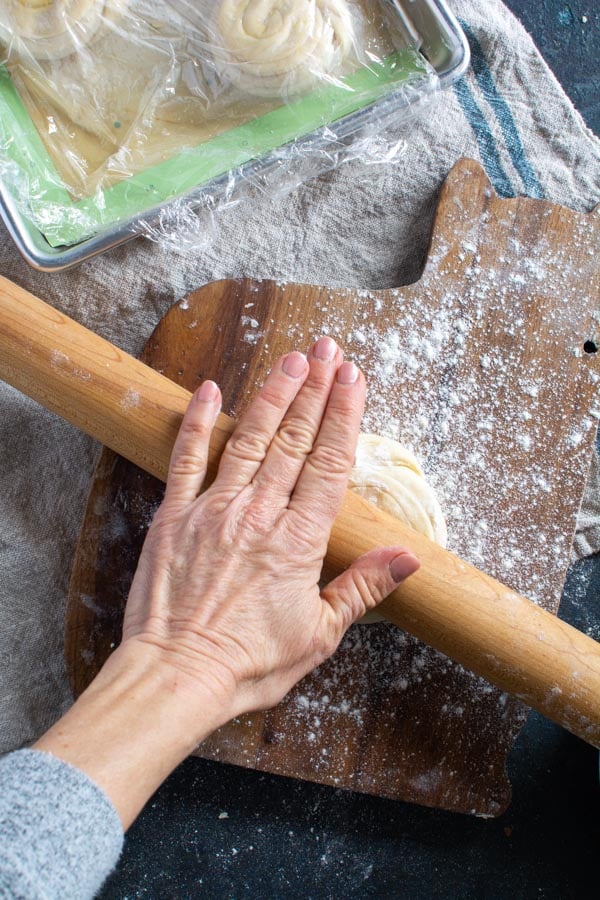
<point x="220" y="832"/>
<point x="568" y="35"/>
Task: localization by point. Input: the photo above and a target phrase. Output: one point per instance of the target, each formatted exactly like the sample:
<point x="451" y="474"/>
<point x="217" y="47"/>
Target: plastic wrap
<point x="145" y="111"/>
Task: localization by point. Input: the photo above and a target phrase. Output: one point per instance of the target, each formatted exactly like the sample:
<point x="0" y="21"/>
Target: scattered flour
<point x="485" y="430"/>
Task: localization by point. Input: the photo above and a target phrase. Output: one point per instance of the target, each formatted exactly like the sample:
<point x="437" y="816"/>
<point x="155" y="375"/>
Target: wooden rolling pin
<point x="449" y="604"/>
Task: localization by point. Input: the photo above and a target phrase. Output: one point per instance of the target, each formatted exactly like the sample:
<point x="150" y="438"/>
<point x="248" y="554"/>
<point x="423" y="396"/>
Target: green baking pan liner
<point x="28" y="169"/>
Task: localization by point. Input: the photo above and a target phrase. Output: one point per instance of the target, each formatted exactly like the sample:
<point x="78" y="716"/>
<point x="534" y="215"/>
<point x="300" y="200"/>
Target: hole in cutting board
<point x="590" y="347"/>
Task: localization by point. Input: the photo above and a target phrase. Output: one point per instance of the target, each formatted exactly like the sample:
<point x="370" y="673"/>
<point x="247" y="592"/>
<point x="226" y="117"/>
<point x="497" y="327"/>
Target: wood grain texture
<point x="455" y="607"/>
<point x="480" y="366"/>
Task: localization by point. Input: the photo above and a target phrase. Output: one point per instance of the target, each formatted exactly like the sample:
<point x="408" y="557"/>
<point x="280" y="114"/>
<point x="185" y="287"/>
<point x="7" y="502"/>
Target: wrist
<point x="158" y="690"/>
<point x="135" y="723"/>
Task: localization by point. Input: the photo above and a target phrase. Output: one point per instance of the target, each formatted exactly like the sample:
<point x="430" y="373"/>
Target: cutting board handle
<point x="448" y="604"/>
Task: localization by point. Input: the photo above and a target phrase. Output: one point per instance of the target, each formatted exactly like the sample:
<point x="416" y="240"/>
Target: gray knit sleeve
<point x="60" y="836"/>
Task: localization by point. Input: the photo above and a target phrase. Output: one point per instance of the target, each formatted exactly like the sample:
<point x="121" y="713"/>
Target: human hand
<point x="225" y="614"/>
<point x="226" y="594"/>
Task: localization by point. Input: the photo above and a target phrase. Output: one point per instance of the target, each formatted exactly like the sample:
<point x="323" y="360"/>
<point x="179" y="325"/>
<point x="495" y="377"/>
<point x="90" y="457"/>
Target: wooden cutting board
<point x="487" y="367"/>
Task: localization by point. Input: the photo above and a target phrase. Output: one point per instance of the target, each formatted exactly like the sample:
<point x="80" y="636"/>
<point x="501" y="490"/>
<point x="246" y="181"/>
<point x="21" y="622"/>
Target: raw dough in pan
<point x="53" y="29"/>
<point x="272" y="48"/>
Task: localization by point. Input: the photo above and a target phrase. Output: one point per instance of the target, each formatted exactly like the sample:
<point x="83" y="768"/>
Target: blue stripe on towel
<point x="485" y="140"/>
<point x="502" y="111"/>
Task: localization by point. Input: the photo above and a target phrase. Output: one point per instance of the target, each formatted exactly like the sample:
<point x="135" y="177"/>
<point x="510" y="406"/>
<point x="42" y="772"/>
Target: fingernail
<point x="294" y="364"/>
<point x="403" y="565"/>
<point x="347" y="373"/>
<point x="325" y="349"/>
<point x="208" y="392"/>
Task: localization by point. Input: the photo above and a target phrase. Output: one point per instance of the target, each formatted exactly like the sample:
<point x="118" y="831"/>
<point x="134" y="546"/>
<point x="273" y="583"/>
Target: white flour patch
<point x="130" y="399"/>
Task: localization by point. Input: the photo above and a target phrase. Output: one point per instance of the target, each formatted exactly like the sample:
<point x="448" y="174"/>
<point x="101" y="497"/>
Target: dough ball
<point x="53" y="29"/>
<point x="273" y="48"/>
<point x="388" y="475"/>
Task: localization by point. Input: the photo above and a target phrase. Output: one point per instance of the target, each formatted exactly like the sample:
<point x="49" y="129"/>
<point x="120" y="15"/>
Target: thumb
<point x="366" y="583"/>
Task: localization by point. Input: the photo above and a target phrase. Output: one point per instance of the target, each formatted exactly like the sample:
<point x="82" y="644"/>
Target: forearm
<point x="134" y="724"/>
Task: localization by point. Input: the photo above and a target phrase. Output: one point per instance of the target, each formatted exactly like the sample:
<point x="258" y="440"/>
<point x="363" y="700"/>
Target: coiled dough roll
<point x="272" y="48"/>
<point x="52" y="29"/>
<point x="388" y="475"/>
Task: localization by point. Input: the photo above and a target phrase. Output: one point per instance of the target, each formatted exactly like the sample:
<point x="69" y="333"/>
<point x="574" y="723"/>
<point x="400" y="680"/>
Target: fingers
<point x="187" y="467"/>
<point x="364" y="585"/>
<point x="322" y="483"/>
<point x="248" y="445"/>
<point x="294" y="439"/>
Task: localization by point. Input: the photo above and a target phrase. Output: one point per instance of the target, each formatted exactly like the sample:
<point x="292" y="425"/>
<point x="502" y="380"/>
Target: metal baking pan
<point x="441" y="42"/>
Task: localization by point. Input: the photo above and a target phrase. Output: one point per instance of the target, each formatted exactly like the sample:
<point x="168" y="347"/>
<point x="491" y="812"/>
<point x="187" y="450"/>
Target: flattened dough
<point x="388" y="475"/>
